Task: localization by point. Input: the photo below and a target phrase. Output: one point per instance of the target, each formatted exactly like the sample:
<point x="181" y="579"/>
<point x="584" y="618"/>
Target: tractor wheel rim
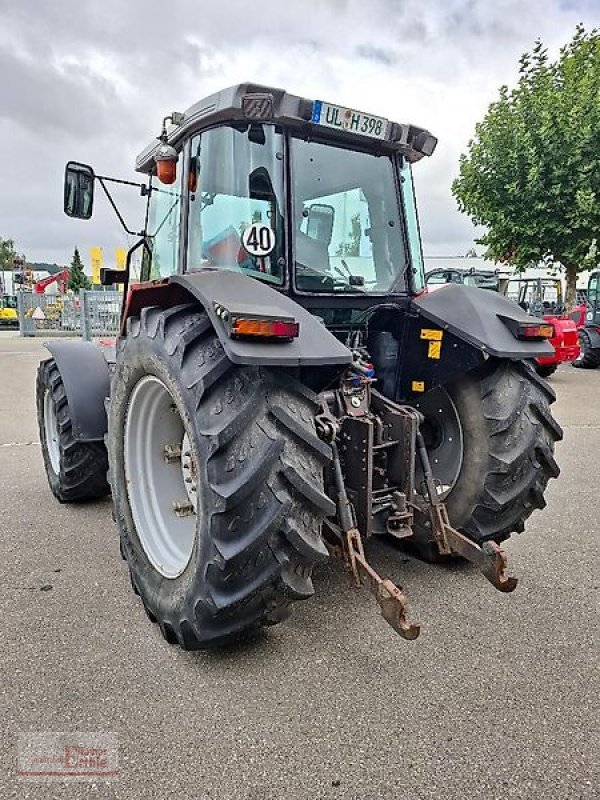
<point x="51" y="431"/>
<point x="444" y="439"/>
<point x="157" y="476"/>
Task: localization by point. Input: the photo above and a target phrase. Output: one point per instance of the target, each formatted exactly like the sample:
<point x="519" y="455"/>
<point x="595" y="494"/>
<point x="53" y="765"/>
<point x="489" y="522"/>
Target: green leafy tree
<point x="77" y="277"/>
<point x="9" y="258"/>
<point x="352" y="246"/>
<point x="531" y="175"/>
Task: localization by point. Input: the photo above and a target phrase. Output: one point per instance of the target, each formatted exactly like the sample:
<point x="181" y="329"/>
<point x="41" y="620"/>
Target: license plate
<point x="346" y="119"/>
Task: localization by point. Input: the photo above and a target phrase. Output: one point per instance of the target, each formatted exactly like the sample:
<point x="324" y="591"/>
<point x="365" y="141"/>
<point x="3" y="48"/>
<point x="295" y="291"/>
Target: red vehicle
<point x="542" y="297"/>
<point x="589" y="330"/>
<point x="60" y="277"/>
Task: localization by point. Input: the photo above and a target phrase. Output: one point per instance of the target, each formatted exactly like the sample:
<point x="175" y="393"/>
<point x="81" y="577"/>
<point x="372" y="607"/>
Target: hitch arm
<point x="490" y="559"/>
<point x="390" y="597"/>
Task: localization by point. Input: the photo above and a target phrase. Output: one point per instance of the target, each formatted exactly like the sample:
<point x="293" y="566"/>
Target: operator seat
<point x="311" y="253"/>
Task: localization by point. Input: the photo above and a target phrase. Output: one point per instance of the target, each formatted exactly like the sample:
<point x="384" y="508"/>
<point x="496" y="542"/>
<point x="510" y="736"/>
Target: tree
<point x="77" y="277"/>
<point x="351" y="247"/>
<point x="8" y="254"/>
<point x="532" y="172"/>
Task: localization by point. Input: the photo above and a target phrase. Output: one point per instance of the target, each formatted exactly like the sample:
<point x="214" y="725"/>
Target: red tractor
<point x="542" y="297"/>
<point x="589" y="331"/>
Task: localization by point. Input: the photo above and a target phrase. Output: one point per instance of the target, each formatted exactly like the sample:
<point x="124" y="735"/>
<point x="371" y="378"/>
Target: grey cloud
<point x="435" y="63"/>
<point x="377" y="54"/>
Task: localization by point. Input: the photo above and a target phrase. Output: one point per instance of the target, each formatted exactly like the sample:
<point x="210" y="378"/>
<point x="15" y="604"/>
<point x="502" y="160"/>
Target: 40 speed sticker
<point x="258" y="239"/>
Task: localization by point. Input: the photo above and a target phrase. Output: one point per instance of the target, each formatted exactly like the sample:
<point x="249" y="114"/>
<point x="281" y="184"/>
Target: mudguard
<point x="315" y="345"/>
<point x="476" y="316"/>
<point x="86" y="378"/>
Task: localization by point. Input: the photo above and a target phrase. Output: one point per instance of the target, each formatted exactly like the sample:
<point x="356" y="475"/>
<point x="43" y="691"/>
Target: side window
<point x="164" y="226"/>
<point x="236" y="202"/>
<point x="513" y="291"/>
<point x="412" y="227"/>
<point x="594" y="290"/>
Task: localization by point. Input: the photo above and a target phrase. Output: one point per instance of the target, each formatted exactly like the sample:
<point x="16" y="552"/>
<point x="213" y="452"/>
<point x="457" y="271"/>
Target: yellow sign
<point x="434" y="350"/>
<point x="431" y="334"/>
<point x="96" y="259"/>
<point x="120" y="257"/>
<point x="120" y="261"/>
<point x="418" y="386"/>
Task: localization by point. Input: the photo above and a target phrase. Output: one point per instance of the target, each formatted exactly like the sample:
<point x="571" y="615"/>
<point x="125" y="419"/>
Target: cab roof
<point x="251" y="102"/>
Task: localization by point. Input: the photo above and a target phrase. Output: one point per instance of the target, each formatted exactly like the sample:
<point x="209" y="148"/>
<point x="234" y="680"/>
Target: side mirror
<point x="79" y="190"/>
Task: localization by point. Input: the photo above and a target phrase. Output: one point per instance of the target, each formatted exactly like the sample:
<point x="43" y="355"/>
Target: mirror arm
<point x="101" y="180"/>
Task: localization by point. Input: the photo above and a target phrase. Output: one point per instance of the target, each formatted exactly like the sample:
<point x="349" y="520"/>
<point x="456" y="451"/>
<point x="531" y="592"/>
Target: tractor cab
<point x="479" y="278"/>
<point x="311" y="198"/>
<point x="592" y="314"/>
<point x="537" y="296"/>
<point x="589" y="330"/>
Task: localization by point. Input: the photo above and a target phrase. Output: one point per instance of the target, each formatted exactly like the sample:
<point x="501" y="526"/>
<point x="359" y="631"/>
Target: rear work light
<point x="534" y="330"/>
<point x="257" y="326"/>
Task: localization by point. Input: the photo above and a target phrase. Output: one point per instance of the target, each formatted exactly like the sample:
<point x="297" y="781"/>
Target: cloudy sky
<point x="91" y="80"/>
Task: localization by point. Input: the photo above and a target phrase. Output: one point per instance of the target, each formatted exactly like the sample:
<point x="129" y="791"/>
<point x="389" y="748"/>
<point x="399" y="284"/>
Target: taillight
<point x="271" y="328"/>
<point x="534" y="330"/>
<point x="245" y="323"/>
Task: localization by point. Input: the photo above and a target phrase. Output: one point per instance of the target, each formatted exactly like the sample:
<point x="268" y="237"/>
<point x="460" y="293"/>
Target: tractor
<point x="282" y="388"/>
<point x="543" y="298"/>
<point x="589" y="332"/>
<point x="481" y="278"/>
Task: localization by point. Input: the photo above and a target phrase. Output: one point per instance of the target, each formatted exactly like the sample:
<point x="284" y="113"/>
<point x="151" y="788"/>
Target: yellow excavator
<point x="8" y="311"/>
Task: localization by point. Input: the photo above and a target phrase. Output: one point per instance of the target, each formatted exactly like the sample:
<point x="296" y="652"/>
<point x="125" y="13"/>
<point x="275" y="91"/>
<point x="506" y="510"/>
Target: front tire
<point x="76" y="471"/>
<point x="508" y="436"/>
<point x="590" y="355"/>
<point x="242" y="548"/>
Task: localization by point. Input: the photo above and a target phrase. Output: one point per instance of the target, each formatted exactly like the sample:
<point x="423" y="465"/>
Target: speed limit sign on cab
<point x="258" y="239"/>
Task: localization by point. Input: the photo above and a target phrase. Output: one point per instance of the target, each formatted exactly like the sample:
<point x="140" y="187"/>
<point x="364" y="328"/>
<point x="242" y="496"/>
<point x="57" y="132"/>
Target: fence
<point x="88" y="314"/>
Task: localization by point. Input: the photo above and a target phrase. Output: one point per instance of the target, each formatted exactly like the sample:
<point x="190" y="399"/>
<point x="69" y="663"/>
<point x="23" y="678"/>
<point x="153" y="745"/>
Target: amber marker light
<point x="529" y="330"/>
<point x="268" y="328"/>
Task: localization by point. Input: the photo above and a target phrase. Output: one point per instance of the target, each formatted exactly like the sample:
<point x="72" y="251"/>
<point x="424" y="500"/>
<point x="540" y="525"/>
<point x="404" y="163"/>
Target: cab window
<point x="164" y="227"/>
<point x="236" y="202"/>
<point x="594" y="290"/>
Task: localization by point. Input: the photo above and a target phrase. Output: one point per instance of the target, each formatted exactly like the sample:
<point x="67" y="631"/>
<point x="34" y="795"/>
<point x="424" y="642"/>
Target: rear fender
<point x="476" y="316"/>
<point x="315" y="346"/>
<point x="86" y="378"/>
<point x="454" y="330"/>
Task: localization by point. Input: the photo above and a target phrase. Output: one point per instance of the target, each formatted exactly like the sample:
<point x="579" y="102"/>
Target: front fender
<point x="475" y="316"/>
<point x="315" y="346"/>
<point x="86" y="378"/>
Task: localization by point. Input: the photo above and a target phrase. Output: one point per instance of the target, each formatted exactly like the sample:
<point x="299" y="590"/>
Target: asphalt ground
<point x="498" y="698"/>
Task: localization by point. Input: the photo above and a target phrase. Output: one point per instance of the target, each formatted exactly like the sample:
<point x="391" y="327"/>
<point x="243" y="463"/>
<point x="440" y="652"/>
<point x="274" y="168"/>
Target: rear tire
<point x="258" y="478"/>
<point x="508" y="439"/>
<point x="590" y="356"/>
<point x="76" y="471"/>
